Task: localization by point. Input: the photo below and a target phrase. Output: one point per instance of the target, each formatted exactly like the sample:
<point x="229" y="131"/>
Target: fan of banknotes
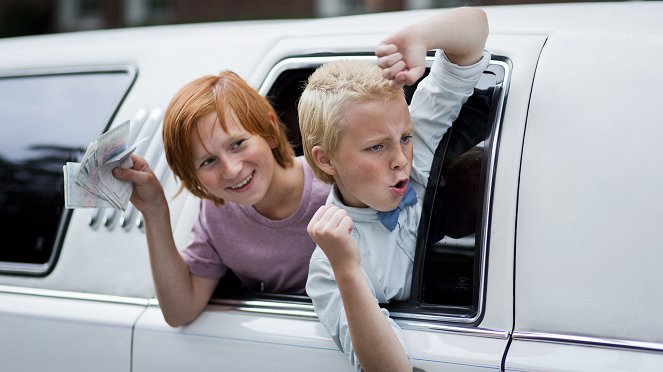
<point x="90" y="183"/>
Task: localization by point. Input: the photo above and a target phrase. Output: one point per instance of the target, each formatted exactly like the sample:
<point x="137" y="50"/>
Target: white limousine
<point x="541" y="252"/>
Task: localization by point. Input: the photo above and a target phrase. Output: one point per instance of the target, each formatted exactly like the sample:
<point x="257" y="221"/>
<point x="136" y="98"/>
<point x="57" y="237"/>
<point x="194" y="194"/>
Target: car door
<point x="588" y="278"/>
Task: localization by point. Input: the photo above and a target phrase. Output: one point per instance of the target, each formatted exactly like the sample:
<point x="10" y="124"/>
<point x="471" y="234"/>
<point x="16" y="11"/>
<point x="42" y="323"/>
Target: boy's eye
<point x="375" y="148"/>
<point x="406" y="138"/>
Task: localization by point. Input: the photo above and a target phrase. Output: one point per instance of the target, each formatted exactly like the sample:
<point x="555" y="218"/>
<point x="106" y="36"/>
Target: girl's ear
<point x="322" y="160"/>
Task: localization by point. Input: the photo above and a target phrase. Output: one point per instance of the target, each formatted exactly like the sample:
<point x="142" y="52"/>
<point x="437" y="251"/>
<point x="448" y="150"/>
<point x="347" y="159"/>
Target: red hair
<point x="218" y="93"/>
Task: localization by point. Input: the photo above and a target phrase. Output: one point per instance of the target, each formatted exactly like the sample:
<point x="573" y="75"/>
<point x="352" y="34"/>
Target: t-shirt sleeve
<point x="435" y="105"/>
<point x="200" y="255"/>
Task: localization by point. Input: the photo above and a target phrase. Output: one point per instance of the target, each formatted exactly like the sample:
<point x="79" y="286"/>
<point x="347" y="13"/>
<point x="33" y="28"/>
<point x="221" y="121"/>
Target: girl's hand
<point x="147" y="194"/>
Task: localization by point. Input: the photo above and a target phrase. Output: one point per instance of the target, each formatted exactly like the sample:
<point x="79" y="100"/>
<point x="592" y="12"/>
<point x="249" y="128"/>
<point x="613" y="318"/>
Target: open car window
<point x="449" y="271"/>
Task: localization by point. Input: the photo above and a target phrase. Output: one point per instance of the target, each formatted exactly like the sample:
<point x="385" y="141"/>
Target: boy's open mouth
<point x="400" y="187"/>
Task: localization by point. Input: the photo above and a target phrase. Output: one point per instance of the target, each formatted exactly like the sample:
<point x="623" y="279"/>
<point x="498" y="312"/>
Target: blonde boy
<point x="359" y="135"/>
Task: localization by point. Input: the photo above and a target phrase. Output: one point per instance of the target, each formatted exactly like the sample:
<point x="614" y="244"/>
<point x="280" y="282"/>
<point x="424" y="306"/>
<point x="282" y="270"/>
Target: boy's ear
<point x="322" y="160"/>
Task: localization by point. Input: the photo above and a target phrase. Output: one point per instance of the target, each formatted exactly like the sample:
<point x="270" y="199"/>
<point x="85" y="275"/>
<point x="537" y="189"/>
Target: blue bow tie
<point x="390" y="219"/>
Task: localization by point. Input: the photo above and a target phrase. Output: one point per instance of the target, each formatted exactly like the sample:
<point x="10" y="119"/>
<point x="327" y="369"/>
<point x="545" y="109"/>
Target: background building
<point x="28" y="17"/>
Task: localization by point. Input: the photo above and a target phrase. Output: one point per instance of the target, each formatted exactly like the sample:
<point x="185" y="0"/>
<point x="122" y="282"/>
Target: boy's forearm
<point x="460" y="32"/>
<point x="373" y="340"/>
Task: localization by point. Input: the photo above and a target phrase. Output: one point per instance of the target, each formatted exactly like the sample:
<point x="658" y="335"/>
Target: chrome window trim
<point x="488" y="193"/>
<point x="132" y="70"/>
<point x="458" y="330"/>
<point x="45" y="268"/>
<point x="305" y="310"/>
<point x="587" y="341"/>
<point x="310" y="62"/>
<point x="70" y="295"/>
<point x="297" y="63"/>
<point x="271" y="307"/>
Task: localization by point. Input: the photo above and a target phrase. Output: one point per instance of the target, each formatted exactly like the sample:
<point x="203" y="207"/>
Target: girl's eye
<point x="406" y="138"/>
<point x="207" y="162"/>
<point x="237" y="144"/>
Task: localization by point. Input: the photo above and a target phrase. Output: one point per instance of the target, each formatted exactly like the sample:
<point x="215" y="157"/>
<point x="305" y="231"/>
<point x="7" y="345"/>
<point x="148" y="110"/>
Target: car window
<point x="47" y="120"/>
<point x="284" y="95"/>
<point x="449" y="269"/>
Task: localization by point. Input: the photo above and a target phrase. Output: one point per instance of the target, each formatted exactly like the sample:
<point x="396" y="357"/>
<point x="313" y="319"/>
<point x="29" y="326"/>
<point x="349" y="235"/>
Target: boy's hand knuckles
<point x="382" y="63"/>
<point x="340" y="212"/>
<point x="385" y="47"/>
<point x="388" y="74"/>
<point x="313" y="229"/>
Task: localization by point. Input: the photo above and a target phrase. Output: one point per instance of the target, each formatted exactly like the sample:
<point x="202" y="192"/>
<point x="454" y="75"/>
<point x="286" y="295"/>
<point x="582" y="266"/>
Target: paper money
<point x="90" y="183"/>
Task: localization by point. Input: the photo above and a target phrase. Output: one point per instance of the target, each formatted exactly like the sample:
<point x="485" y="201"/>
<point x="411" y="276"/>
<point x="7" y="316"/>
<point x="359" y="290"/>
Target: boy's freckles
<point x="374" y="154"/>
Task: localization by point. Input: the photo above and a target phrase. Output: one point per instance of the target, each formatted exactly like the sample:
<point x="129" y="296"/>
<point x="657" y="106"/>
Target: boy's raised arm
<point x="460" y="32"/>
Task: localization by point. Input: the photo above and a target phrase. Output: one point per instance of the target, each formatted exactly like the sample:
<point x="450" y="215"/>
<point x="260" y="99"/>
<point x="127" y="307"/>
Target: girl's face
<point x="235" y="166"/>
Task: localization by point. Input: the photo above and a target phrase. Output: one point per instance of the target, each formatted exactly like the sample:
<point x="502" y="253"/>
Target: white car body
<point x="572" y="216"/>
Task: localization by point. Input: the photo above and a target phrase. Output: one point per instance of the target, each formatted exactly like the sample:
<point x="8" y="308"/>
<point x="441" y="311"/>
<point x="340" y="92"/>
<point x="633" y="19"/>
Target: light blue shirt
<point x="387" y="257"/>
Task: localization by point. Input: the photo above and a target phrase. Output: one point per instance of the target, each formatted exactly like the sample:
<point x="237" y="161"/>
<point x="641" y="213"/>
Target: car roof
<point x="527" y="19"/>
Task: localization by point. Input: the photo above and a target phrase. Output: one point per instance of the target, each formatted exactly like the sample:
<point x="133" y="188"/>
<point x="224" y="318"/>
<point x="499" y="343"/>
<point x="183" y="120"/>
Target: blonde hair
<point x="218" y="93"/>
<point x="330" y="89"/>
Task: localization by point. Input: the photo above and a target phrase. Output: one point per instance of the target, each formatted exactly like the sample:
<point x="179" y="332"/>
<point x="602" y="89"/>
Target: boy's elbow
<point x="479" y="22"/>
<point x="477" y="36"/>
<point x="483" y="27"/>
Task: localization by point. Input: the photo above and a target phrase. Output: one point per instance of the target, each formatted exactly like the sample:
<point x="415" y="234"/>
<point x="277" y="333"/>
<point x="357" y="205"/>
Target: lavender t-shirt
<point x="273" y="254"/>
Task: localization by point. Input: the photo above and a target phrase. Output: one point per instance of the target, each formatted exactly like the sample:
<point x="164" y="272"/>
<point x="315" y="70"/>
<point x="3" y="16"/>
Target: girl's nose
<point x="230" y="167"/>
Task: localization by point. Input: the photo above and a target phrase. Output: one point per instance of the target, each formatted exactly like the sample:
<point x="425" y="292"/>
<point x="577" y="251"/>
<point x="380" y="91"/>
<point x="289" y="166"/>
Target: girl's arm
<point x="182" y="296"/>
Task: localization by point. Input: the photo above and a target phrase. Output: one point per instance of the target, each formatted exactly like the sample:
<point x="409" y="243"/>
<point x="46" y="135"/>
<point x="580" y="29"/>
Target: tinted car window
<point x="47" y="120"/>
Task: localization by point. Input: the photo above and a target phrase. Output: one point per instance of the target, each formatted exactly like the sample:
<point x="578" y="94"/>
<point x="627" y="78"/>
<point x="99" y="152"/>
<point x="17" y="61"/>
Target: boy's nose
<point x="399" y="159"/>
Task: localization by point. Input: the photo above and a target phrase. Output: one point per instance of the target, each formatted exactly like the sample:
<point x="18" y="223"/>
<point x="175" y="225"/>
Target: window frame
<point x="415" y="309"/>
<point x="44" y="269"/>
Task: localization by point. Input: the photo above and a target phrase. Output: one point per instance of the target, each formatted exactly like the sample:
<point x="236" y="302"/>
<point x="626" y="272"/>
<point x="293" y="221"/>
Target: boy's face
<point x="374" y="156"/>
